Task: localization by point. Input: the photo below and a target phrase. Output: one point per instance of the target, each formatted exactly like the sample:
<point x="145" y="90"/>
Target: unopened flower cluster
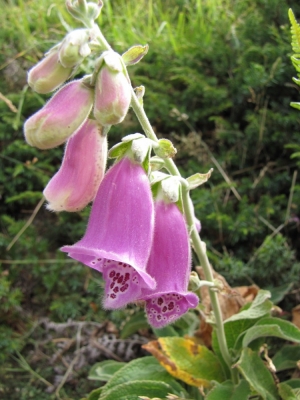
<point x="136" y="237"/>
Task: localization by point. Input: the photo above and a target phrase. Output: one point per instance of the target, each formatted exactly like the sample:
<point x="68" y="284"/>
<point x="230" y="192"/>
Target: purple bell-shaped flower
<point x="77" y="181"/>
<point x="119" y="234"/>
<point x="170" y="265"/>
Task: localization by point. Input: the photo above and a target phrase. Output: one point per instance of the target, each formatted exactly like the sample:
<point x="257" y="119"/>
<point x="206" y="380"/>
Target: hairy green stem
<point x="199" y="246"/>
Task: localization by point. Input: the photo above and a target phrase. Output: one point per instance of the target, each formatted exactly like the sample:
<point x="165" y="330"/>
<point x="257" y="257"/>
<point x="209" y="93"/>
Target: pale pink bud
<point x="82" y="169"/>
<point x="74" y="48"/>
<point x="48" y="74"/>
<point x="112" y="91"/>
<point x="60" y="117"/>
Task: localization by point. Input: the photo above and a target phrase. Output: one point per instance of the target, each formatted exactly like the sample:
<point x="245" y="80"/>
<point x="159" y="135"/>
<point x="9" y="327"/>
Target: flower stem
<point x="198" y="245"/>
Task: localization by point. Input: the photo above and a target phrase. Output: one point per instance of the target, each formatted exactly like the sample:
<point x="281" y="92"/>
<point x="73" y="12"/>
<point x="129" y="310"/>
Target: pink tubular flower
<point x="119" y="234"/>
<point x="112" y="91"/>
<point x="48" y="74"/>
<point x="170" y="265"/>
<point x="60" y="117"/>
<point x="78" y="179"/>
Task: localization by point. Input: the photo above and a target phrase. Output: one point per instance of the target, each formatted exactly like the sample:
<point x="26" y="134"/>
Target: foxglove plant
<point x="141" y="246"/>
<point x="143" y="251"/>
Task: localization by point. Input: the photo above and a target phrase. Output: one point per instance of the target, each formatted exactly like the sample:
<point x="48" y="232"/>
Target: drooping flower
<point x="78" y="179"/>
<point x="60" y="117"/>
<point x="112" y="90"/>
<point x="48" y="74"/>
<point x="170" y="265"/>
<point x="119" y="233"/>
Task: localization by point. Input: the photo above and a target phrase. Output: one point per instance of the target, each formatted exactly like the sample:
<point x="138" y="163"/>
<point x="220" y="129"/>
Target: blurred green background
<point x="218" y="81"/>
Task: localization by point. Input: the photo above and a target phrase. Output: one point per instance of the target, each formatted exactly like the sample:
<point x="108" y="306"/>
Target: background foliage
<point x="218" y="83"/>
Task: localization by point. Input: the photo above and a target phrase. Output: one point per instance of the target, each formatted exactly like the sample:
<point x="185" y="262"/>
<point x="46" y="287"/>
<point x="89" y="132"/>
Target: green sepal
<point x="156" y="163"/>
<point x="198" y="179"/>
<point x="119" y="149"/>
<point x="132" y="136"/>
<point x="135" y="54"/>
<point x="165" y="149"/>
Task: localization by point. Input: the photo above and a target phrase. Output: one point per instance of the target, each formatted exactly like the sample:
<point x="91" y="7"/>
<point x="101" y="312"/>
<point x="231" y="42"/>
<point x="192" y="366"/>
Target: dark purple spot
<point x="124" y="287"/>
<point x="164" y="309"/>
<point x="116" y="289"/>
<point x="158" y="317"/>
<point x="112" y="274"/>
<point x="120" y="279"/>
<point x="160" y="301"/>
<point x="113" y="296"/>
<point x="112" y="285"/>
<point x="127" y="276"/>
<point x="171" y="305"/>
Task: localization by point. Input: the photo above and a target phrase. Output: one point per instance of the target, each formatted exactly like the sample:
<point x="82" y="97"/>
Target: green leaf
<point x="272" y="327"/>
<point x="133" y="389"/>
<point x="259" y="307"/>
<point x="185" y="360"/>
<point x="286" y="358"/>
<point x="295" y="30"/>
<point x="286" y="392"/>
<point x="104" y="370"/>
<point x="293" y="383"/>
<point x="257" y="375"/>
<point x="136" y="321"/>
<point x="295" y="105"/>
<point x="95" y="394"/>
<point x="166" y="331"/>
<point x="227" y="390"/>
<point x="146" y="368"/>
<point x="279" y="292"/>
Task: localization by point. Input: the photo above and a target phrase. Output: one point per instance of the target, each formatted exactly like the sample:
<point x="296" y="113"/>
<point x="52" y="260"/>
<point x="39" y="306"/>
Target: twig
<point x="28" y="223"/>
<point x="71" y="366"/>
<point x="106" y="351"/>
<point x="65" y="377"/>
<point x="8" y="103"/>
